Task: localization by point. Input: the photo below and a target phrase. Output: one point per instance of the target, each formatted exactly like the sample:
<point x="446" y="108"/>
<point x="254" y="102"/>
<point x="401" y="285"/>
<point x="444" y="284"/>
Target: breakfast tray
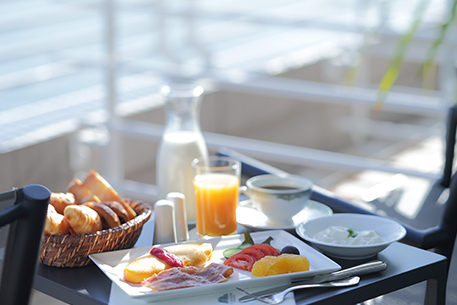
<point x="74" y="250"/>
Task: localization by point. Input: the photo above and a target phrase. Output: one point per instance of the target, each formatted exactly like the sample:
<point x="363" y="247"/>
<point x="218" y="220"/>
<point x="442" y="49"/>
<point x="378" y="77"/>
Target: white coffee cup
<point x="279" y="198"/>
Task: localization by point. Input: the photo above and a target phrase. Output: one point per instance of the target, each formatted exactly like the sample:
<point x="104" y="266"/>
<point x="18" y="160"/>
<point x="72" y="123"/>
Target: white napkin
<point x="119" y="297"/>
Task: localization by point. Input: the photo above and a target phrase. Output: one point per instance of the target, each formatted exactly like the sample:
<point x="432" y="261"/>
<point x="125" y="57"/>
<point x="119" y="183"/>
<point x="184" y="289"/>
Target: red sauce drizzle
<point x="167" y="257"/>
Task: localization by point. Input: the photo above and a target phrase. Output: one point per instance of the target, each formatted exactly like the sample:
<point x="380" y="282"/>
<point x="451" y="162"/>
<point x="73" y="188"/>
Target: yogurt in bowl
<point x="340" y="235"/>
<point x="351" y="236"/>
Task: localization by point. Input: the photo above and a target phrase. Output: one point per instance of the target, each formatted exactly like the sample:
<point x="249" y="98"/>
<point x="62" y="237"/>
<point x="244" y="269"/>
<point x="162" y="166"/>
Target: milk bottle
<point x="182" y="141"/>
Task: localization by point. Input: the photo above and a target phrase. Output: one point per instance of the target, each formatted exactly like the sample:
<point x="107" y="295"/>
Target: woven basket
<point x="73" y="250"/>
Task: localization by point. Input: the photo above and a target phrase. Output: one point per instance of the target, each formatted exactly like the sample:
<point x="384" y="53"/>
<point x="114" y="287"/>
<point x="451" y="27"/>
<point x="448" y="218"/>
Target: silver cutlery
<point x="279" y="297"/>
<point x="370" y="267"/>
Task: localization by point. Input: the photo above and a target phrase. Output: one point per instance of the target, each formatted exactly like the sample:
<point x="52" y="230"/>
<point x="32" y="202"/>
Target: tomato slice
<point x="240" y="261"/>
<point x="267" y="250"/>
<point x="245" y="259"/>
<point x="256" y="254"/>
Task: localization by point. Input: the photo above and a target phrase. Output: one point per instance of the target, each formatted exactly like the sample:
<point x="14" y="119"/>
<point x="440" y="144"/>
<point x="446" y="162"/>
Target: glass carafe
<point x="182" y="142"/>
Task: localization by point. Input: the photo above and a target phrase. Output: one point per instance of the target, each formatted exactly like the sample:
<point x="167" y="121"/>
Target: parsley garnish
<point x="352" y="233"/>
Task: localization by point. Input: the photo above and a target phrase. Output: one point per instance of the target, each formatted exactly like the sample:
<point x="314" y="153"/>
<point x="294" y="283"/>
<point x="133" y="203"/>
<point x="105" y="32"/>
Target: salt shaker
<point x="179" y="202"/>
<point x="164" y="227"/>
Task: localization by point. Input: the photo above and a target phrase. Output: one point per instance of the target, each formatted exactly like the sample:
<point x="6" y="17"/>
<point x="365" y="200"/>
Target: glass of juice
<point x="216" y="189"/>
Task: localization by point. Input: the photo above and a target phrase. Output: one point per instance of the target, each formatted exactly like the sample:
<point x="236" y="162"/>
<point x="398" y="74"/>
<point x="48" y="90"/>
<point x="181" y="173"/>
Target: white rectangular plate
<point x="113" y="265"/>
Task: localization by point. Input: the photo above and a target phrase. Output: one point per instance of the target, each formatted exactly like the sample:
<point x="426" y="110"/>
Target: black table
<point x="407" y="266"/>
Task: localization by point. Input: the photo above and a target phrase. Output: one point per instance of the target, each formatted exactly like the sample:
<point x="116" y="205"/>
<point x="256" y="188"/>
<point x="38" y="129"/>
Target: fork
<point x="279" y="297"/>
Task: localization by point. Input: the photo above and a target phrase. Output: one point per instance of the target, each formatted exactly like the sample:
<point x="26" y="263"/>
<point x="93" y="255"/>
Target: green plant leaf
<point x="394" y="68"/>
<point x="268" y="240"/>
<point x="439" y="40"/>
<point x="248" y="241"/>
<point x="352" y="233"/>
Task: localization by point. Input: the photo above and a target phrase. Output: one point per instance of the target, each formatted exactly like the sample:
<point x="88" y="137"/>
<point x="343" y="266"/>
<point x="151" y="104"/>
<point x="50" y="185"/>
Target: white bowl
<point x="389" y="230"/>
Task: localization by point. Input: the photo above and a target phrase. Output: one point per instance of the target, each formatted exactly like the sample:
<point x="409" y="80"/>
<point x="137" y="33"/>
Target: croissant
<point x="60" y="200"/>
<point x="56" y="224"/>
<point x="82" y="219"/>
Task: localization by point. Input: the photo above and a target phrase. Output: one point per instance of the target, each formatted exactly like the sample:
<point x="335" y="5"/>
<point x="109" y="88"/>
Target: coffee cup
<point x="279" y="198"/>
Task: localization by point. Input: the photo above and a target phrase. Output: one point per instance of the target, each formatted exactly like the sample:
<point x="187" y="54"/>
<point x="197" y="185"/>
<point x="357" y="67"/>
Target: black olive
<point x="290" y="250"/>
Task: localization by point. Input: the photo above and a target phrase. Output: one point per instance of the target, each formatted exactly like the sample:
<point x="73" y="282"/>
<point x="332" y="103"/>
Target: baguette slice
<point x="95" y="183"/>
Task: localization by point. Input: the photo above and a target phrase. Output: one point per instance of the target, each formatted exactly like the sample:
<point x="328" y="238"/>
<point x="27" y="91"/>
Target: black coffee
<point x="279" y="187"/>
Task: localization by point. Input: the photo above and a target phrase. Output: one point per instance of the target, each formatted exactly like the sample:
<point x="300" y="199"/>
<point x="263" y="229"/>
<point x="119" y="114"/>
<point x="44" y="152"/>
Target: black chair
<point x="22" y="218"/>
<point x="440" y="237"/>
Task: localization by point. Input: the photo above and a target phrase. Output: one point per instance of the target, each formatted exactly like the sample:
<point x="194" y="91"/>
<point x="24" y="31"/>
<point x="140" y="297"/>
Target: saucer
<point x="248" y="216"/>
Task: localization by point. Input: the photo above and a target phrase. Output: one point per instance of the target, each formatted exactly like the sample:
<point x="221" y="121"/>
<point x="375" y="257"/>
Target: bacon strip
<point x="176" y="278"/>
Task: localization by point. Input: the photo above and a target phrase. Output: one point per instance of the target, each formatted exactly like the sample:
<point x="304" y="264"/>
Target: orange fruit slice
<point x="285" y="263"/>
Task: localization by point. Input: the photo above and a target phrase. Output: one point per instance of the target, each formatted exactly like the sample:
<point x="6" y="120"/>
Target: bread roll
<point x="191" y="254"/>
<point x="118" y="209"/>
<point x="83" y="219"/>
<point x="110" y="194"/>
<point x="109" y="218"/>
<point x="60" y="201"/>
<point x="78" y="189"/>
<point x="56" y="224"/>
<point x="98" y="186"/>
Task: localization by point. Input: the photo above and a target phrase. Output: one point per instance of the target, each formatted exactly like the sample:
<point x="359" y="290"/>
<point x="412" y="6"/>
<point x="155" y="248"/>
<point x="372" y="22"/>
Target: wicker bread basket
<point x="73" y="250"/>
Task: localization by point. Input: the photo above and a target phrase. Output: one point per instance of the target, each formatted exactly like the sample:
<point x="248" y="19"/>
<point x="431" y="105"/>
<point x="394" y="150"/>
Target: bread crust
<point x="108" y="216"/>
<point x="109" y="194"/>
<point x="89" y="198"/>
<point x="118" y="209"/>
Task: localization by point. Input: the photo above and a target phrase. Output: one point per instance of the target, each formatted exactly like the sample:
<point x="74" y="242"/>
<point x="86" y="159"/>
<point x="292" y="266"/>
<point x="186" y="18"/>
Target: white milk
<point x="174" y="165"/>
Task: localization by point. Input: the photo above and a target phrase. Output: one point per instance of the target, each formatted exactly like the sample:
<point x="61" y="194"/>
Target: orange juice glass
<point x="216" y="189"/>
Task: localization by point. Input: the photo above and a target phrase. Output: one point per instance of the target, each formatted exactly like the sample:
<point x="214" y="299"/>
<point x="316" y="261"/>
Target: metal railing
<point x="239" y="67"/>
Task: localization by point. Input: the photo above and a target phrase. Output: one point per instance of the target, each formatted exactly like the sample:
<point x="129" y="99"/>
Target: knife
<point x="370" y="267"/>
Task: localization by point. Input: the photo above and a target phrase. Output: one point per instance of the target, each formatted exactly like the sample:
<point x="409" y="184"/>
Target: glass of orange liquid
<point x="216" y="189"/>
